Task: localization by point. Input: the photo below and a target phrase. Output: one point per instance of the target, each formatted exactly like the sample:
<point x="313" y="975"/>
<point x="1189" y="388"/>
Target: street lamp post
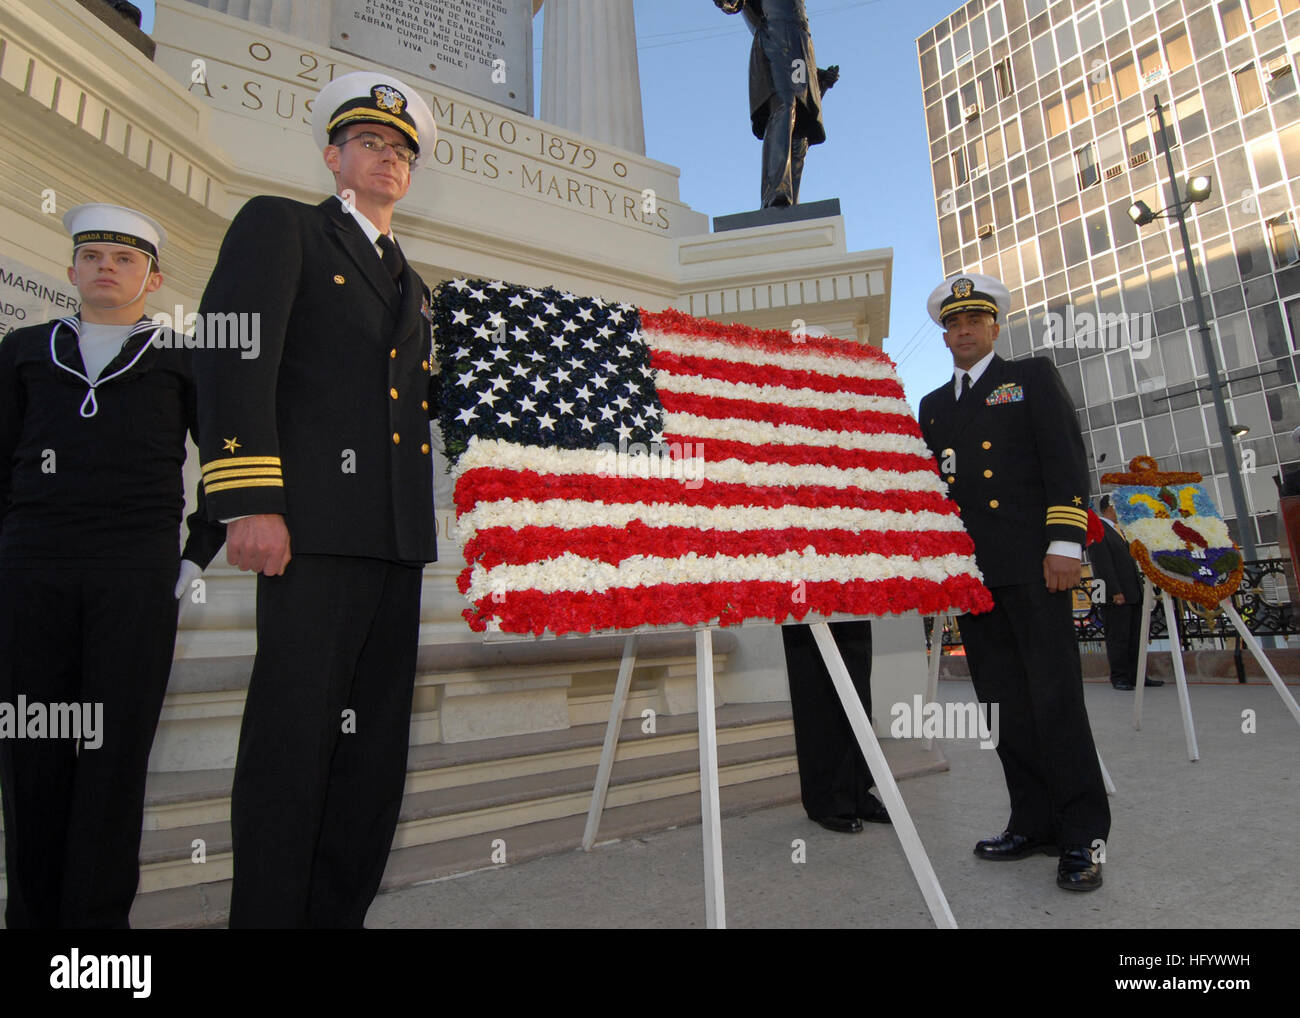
<point x="1199" y="190"/>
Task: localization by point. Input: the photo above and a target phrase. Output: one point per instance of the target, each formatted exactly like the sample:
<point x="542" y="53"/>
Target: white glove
<point x="190" y="571"/>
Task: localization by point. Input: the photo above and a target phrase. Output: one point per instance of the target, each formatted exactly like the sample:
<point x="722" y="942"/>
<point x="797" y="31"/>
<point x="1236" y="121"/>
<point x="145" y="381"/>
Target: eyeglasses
<point x="374" y="143"/>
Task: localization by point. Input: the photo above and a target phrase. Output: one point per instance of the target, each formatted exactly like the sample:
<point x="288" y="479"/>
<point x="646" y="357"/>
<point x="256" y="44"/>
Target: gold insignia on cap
<point x="388" y="99"/>
<point x="340" y="280"/>
<point x="962" y="288"/>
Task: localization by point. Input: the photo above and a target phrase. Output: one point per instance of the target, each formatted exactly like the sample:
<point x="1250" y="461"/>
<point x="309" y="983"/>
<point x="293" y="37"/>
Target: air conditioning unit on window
<point x="1278" y="66"/>
<point x="972" y="111"/>
<point x="1139" y="159"/>
<point x="985" y="231"/>
<point x="1114" y="171"/>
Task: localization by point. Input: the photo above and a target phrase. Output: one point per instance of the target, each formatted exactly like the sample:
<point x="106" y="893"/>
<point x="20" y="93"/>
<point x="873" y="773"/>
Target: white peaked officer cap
<point x="97" y="223"/>
<point x="969" y="291"/>
<point x="370" y="97"/>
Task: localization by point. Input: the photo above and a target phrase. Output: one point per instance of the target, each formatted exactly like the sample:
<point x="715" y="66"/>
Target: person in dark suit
<point x="785" y="91"/>
<point x="1008" y="445"/>
<point x="834" y="779"/>
<point x="94" y="411"/>
<point x="1122" y="606"/>
<point x="317" y="452"/>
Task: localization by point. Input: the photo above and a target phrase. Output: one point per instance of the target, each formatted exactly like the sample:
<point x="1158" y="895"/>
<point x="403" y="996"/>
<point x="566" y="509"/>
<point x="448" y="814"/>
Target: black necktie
<point x="391" y="257"/>
<point x="965" y="385"/>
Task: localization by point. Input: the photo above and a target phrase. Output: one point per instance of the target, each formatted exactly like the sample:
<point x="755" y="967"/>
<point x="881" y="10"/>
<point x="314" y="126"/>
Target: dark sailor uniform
<point x="1012" y="456"/>
<point x="328" y="426"/>
<point x="91" y="502"/>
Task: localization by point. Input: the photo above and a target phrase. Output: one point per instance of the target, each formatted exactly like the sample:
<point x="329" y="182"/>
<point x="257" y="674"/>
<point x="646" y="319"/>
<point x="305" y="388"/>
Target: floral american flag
<point x="616" y="468"/>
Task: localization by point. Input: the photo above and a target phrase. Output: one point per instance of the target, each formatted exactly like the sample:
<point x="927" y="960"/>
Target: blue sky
<point x="694" y="64"/>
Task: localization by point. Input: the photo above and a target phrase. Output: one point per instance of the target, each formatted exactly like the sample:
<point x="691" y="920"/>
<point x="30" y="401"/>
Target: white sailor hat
<point x="97" y="223"/>
<point x="969" y="291"/>
<point x="369" y="97"/>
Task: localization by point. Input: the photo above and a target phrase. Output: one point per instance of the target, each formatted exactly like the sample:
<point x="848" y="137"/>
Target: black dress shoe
<point x="1123" y="685"/>
<point x="1154" y="682"/>
<point x="874" y="812"/>
<point x="1077" y="871"/>
<point x="840" y="824"/>
<point x="1007" y="846"/>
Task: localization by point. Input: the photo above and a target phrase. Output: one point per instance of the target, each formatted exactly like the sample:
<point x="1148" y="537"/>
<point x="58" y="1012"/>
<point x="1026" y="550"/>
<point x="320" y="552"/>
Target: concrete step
<point x="207" y="905"/>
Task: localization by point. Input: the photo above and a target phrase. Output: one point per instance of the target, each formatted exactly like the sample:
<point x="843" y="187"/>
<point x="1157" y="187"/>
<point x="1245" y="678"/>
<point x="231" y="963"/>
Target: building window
<point x="1151" y="66"/>
<point x="1005" y="82"/>
<point x="1171" y="129"/>
<point x="1033" y="8"/>
<point x="959" y="174"/>
<point x="1262" y="12"/>
<point x="1011" y="133"/>
<point x="1249" y="95"/>
<point x="1078" y="103"/>
<point x="975" y="157"/>
<point x="1137" y="139"/>
<point x="1232" y="19"/>
<point x="952" y="106"/>
<point x="1020" y="203"/>
<point x="1054" y="115"/>
<point x="993" y="147"/>
<point x="1282" y="240"/>
<point x="1099" y="91"/>
<point x="1126" y="81"/>
<point x="1191" y="116"/>
<point x="1085" y="164"/>
<point x="1178" y="50"/>
<point x="1293" y="320"/>
<point x="1279" y="76"/>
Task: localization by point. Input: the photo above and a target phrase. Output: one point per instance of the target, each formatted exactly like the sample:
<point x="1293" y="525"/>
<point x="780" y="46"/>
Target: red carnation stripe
<point x="770" y="374"/>
<point x="716" y="449"/>
<point x="492" y="484"/>
<point x="713" y="407"/>
<point x="726" y="603"/>
<point x="679" y="323"/>
<point x="494" y="546"/>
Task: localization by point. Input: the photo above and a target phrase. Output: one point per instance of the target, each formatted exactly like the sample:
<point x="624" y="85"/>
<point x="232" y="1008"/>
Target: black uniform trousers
<point x="1024" y="657"/>
<point x="73" y="813"/>
<point x="1124" y="634"/>
<point x="322" y="750"/>
<point x="834" y="779"/>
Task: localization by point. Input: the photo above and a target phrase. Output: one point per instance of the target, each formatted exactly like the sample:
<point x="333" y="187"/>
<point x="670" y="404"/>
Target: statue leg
<point x="777" y="143"/>
<point x="798" y="152"/>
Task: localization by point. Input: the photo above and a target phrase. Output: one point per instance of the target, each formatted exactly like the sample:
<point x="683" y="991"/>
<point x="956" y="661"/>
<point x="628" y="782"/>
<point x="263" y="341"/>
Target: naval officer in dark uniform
<point x="94" y="410"/>
<point x="785" y="91"/>
<point x="1007" y="442"/>
<point x="318" y="453"/>
<point x="1121" y="609"/>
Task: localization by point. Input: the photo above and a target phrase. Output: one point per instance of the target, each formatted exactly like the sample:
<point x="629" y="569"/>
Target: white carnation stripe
<point x="570" y="514"/>
<point x="728" y="353"/>
<point x="733" y="429"/>
<point x="1158" y="535"/>
<point x="696" y="386"/>
<point x="695" y="468"/>
<point x="571" y="572"/>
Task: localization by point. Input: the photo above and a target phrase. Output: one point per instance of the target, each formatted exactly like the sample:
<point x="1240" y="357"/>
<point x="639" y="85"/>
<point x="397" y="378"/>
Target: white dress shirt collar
<point x="974" y="371"/>
<point x="372" y="232"/>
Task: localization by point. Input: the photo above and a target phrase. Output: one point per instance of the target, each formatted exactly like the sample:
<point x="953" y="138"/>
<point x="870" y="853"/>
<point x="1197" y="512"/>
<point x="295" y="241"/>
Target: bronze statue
<point x="785" y="91"/>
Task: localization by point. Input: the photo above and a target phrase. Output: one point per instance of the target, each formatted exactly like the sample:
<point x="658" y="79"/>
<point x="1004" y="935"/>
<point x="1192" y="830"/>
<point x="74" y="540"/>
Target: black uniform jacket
<point x="91" y="479"/>
<point x="1113" y="565"/>
<point x="1014" y="462"/>
<point x="781" y="36"/>
<point x="329" y="424"/>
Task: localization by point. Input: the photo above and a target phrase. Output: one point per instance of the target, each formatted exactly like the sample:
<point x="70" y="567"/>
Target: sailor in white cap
<point x="93" y="420"/>
<point x="318" y="453"/>
<point x="1007" y="442"/>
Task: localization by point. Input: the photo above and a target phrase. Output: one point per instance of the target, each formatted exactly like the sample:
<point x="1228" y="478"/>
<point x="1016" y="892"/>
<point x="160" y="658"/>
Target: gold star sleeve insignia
<point x="230" y="444"/>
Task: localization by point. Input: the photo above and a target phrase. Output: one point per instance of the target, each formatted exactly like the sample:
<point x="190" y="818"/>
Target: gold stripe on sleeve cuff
<point x="242" y="461"/>
<point x="230" y="475"/>
<point x="251" y="483"/>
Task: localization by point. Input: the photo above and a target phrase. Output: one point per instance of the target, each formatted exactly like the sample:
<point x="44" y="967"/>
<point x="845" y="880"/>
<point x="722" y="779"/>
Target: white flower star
<point x="546" y="421"/>
<point x="466" y="415"/>
<point x="460" y="317"/>
<point x="489" y="397"/>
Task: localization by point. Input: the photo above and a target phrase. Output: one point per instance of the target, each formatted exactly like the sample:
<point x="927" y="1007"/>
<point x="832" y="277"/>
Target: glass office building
<point x="1042" y="133"/>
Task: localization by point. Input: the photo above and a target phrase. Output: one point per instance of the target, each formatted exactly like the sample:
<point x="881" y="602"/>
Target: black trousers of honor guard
<point x="1023" y="656"/>
<point x="322" y="750"/>
<point x="72" y="635"/>
<point x="834" y="779"/>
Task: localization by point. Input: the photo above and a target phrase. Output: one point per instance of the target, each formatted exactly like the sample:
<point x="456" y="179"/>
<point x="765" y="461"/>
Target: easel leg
<point x="1148" y="603"/>
<point x="1184" y="702"/>
<point x="936" y="657"/>
<point x="611" y="743"/>
<point x="924" y="873"/>
<point x="714" y="903"/>
<point x="1105" y="775"/>
<point x="1249" y="638"/>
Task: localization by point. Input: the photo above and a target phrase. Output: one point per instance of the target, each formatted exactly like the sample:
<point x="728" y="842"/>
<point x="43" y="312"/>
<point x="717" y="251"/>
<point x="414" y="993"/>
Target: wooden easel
<point x="714" y="896"/>
<point x="1180" y="675"/>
